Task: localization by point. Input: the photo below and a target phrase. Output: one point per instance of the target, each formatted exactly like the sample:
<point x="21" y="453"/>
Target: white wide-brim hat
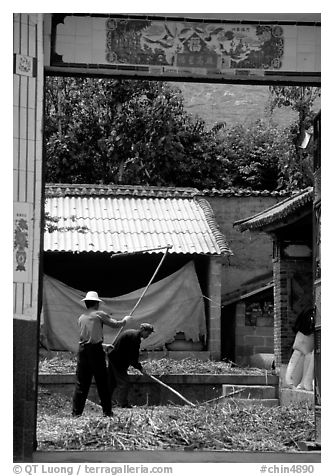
<point x="92" y="296"/>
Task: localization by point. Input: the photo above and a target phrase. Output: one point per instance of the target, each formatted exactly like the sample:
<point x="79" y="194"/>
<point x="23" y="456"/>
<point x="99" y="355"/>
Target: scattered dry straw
<point x="222" y="426"/>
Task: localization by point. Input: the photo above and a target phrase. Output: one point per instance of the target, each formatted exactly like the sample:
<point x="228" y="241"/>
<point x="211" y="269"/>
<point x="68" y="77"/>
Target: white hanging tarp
<point x="173" y="304"/>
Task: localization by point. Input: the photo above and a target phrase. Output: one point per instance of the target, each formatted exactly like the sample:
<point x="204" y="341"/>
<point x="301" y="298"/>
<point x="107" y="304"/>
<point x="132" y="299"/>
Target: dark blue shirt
<point x="126" y="350"/>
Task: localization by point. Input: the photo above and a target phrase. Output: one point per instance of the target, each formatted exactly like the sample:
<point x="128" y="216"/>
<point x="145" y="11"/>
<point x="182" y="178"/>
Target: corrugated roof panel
<point x="189" y="242"/>
<point x="126" y="223"/>
<point x="200" y="244"/>
<point x="116" y="243"/>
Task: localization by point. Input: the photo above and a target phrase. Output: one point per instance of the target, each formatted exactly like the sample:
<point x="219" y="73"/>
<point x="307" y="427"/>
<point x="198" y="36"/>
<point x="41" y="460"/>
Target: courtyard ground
<point x="217" y="426"/>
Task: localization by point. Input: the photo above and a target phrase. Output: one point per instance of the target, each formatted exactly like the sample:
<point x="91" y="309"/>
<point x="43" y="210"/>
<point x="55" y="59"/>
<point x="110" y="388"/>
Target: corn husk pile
<point x="65" y="362"/>
<point x="196" y="366"/>
<point x="219" y="426"/>
<point x="57" y="362"/>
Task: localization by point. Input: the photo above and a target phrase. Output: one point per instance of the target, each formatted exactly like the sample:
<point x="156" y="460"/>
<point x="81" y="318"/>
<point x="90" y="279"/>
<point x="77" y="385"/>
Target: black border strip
<point x="125" y="16"/>
<point x="303" y="79"/>
<point x="134" y="68"/>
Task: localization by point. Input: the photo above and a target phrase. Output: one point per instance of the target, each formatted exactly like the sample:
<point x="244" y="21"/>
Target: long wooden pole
<point x="150" y="282"/>
<point x="171" y="389"/>
<point x="115" y="255"/>
<point x="144" y="291"/>
<point x="224" y="396"/>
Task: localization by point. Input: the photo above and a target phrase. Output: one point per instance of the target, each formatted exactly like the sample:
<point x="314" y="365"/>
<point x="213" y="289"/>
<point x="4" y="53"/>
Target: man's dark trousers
<point x="118" y="377"/>
<point x="91" y="362"/>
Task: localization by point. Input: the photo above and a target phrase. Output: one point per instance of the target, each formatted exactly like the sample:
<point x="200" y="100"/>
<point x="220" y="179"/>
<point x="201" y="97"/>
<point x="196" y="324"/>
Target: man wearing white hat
<point x="91" y="357"/>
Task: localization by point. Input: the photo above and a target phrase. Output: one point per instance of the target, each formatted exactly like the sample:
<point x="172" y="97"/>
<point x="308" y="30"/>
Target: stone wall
<point x="144" y="391"/>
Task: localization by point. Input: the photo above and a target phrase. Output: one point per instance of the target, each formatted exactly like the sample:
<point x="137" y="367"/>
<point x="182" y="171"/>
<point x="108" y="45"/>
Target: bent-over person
<point x="125" y="353"/>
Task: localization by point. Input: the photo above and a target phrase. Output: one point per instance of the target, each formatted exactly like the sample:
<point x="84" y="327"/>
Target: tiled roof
<point x="151" y="191"/>
<point x="126" y="219"/>
<point x="278" y="212"/>
<point x="82" y="190"/>
<point x="243" y="192"/>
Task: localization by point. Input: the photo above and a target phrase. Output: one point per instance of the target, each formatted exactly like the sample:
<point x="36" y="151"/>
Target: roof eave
<point x="291" y="213"/>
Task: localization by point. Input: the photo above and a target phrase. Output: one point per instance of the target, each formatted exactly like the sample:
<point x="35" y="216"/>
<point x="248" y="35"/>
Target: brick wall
<point x="252" y="251"/>
<point x="292" y="292"/>
<point x="250" y="340"/>
<point x="213" y="307"/>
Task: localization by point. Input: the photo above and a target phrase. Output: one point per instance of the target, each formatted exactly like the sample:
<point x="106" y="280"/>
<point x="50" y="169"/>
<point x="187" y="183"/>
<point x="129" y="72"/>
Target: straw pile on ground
<point x="65" y="362"/>
<point x="220" y="426"/>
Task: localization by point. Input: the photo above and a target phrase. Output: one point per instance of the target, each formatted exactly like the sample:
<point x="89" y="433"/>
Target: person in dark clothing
<point x="124" y="353"/>
<point x="305" y="322"/>
<point x="91" y="356"/>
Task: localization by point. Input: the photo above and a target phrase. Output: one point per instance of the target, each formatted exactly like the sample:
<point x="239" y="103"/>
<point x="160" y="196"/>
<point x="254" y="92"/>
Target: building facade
<point x="32" y="38"/>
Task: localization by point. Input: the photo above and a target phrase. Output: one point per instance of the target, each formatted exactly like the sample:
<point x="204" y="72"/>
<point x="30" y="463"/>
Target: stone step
<point x="266" y="402"/>
<point x="250" y="391"/>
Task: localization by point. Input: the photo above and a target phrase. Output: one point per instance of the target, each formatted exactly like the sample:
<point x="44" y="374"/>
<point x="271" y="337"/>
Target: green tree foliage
<point x="300" y="99"/>
<point x="134" y="132"/>
<point x="138" y="133"/>
<point x="257" y="154"/>
<point x="78" y="121"/>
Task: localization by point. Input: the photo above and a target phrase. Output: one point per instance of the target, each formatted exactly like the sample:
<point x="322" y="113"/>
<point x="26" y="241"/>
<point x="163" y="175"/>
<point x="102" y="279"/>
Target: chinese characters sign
<point x="25" y="65"/>
<point x="22" y="242"/>
<point x="149" y="47"/>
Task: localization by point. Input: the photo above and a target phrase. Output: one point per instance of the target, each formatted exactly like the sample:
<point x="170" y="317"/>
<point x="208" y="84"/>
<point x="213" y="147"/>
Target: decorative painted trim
<point x="25" y="65"/>
<point x="22" y="242"/>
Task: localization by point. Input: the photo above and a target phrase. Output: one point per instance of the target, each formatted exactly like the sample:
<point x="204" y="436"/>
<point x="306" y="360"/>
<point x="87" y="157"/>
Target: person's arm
<point x="137" y="365"/>
<point x="108" y="348"/>
<point x="109" y="321"/>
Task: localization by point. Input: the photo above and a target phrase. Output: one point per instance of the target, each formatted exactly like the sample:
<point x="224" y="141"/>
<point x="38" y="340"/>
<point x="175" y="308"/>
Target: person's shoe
<point x="76" y="415"/>
<point x="108" y="414"/>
